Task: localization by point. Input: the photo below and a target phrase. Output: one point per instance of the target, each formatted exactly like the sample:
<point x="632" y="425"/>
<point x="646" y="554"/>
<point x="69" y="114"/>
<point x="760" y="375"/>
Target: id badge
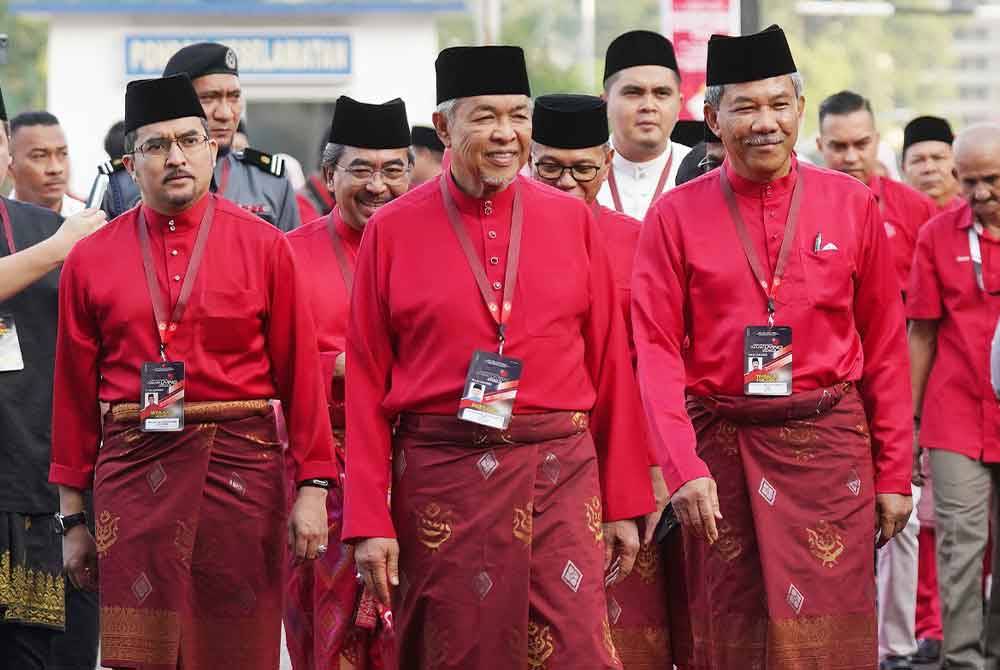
<point x="490" y="389"/>
<point x="11" y="359"/>
<point x="162" y="401"/>
<point x="767" y="361"/>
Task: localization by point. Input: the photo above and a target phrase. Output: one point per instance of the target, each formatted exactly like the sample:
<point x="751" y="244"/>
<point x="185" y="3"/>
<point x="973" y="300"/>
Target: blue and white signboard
<point x="260" y="56"/>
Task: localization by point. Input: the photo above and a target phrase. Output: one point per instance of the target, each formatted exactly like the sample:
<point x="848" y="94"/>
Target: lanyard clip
<point x="163" y="352"/>
<point x="501" y="329"/>
<point x="770" y="312"/>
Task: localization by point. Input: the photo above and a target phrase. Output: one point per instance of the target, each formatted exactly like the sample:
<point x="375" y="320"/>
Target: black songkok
<point x="734" y="60"/>
<point x="426" y="137"/>
<point x="359" y="124"/>
<point x="638" y="47"/>
<point x="688" y="132"/>
<point x="198" y="60"/>
<point x="153" y="100"/>
<point x="570" y="121"/>
<point x="927" y="129"/>
<point x="464" y="72"/>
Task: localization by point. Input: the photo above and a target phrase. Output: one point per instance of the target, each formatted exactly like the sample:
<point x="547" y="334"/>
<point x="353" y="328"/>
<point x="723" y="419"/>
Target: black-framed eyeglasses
<point x="554" y="171"/>
<point x="160" y="146"/>
<point x="391" y="174"/>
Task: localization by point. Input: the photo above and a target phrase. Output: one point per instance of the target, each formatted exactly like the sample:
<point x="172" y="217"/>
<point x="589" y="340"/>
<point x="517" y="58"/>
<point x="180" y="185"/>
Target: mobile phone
<point x="97" y="191"/>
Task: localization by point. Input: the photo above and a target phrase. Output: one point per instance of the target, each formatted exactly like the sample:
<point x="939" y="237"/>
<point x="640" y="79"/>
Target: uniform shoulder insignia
<point x="111" y="167"/>
<point x="266" y="162"/>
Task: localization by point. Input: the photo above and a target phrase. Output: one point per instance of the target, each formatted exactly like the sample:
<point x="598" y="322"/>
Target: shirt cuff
<point x="379" y="525"/>
<point x="73" y="478"/>
<point x="900" y="485"/>
<point x="678" y="474"/>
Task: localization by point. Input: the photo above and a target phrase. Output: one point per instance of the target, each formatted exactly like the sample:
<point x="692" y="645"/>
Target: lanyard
<point x="223" y="178"/>
<point x="976" y="253"/>
<point x="7" y="228"/>
<point x="338" y="249"/>
<point x="501" y="317"/>
<point x="770" y="290"/>
<point x="613" y="184"/>
<point x="164" y="328"/>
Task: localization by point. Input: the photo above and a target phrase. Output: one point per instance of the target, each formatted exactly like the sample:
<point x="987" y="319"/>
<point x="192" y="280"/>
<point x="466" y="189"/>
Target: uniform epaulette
<point x="111" y="167"/>
<point x="266" y="162"/>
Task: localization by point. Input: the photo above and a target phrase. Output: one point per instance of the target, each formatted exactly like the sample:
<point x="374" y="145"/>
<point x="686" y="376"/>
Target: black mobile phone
<point x="668" y="522"/>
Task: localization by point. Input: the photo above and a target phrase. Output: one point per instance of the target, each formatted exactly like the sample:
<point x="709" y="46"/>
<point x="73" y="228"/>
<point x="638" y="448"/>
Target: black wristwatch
<point x="65" y="523"/>
<point x="315" y="483"/>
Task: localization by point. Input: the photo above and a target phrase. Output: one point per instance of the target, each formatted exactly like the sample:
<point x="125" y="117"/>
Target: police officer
<point x="252" y="179"/>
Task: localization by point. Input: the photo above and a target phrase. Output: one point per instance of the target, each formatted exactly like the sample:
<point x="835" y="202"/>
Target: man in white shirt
<point x="40" y="163"/>
<point x="642" y="86"/>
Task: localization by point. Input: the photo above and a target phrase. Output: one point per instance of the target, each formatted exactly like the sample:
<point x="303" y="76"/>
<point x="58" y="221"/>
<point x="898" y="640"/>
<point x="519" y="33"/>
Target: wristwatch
<point x="64" y="523"/>
<point x="316" y="483"/>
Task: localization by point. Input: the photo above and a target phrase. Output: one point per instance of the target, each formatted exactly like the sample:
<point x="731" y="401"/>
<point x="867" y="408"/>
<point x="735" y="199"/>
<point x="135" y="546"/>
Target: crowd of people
<point x="515" y="391"/>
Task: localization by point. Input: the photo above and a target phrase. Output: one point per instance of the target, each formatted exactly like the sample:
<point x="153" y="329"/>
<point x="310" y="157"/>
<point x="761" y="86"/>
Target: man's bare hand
<point x="340" y="365"/>
<point x="621" y="546"/>
<point x="378" y="562"/>
<point x="74" y="229"/>
<point x="80" y="558"/>
<point x="662" y="496"/>
<point x="697" y="507"/>
<point x="893" y="510"/>
<point x="307" y="524"/>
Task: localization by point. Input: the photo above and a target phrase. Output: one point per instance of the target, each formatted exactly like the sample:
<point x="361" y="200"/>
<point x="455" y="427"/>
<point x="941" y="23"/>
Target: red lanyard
<point x="613" y="184"/>
<point x="223" y="178"/>
<point x="338" y="249"/>
<point x="500" y="316"/>
<point x="770" y="289"/>
<point x="7" y="228"/>
<point x="164" y="328"/>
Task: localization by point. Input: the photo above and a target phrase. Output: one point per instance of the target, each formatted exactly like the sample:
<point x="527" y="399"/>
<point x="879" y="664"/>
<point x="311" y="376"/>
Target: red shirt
<point x="692" y="280"/>
<point x="315" y="186"/>
<point x="960" y="412"/>
<point x="417" y="316"/>
<point x="621" y="234"/>
<point x="953" y="204"/>
<point x="904" y="210"/>
<point x="246" y="332"/>
<point x="328" y="295"/>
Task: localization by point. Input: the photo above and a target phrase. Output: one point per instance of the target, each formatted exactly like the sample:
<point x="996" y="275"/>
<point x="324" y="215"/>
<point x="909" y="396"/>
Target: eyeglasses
<point x="709" y="163"/>
<point x="555" y="171"/>
<point x="392" y="174"/>
<point x="161" y="146"/>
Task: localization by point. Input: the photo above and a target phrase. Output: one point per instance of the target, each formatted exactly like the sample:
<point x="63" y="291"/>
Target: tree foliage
<point x="23" y="77"/>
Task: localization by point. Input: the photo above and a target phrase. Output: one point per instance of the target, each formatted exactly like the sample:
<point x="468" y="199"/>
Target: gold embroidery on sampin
<point x="609" y="642"/>
<point x="434" y="526"/>
<point x="523" y="524"/>
<point x="594" y="518"/>
<point x="646" y="563"/>
<point x="728" y="546"/>
<point x="726" y="436"/>
<point x="540" y="646"/>
<point x="825" y="543"/>
<point x="106" y="532"/>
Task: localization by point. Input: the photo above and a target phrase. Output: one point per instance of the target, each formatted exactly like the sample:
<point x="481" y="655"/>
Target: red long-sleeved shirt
<point x="328" y="295"/>
<point x="246" y="333"/>
<point x="692" y="280"/>
<point x="417" y="316"/>
<point x="904" y="210"/>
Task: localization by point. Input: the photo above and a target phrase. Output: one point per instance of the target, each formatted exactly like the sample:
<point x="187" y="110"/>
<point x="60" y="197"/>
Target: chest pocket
<point x="828" y="276"/>
<point x="230" y="321"/>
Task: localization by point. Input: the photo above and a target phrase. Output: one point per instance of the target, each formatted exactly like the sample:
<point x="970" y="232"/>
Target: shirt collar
<point x="475" y="206"/>
<point x="964" y="217"/>
<point x="189" y="218"/>
<point x="346" y="232"/>
<point x="624" y="166"/>
<point x="746" y="187"/>
<point x="875" y="184"/>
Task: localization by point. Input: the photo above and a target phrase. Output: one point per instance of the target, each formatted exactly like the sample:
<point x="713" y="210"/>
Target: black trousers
<point x="76" y="649"/>
<point x="25" y="647"/>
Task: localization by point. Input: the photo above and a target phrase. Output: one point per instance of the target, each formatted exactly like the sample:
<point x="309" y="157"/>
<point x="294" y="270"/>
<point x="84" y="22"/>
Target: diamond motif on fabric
<point x="614" y="610"/>
<point x="482" y="584"/>
<point x="487" y="464"/>
<point x="854" y="483"/>
<point x="572" y="576"/>
<point x="550" y="467"/>
<point x="141" y="588"/>
<point x="767" y="492"/>
<point x="794" y="598"/>
<point x="156" y="477"/>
